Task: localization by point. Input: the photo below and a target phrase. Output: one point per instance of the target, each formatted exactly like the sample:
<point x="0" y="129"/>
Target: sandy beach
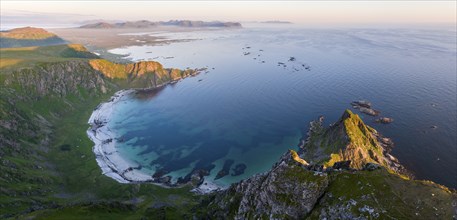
<point x="108" y="158"/>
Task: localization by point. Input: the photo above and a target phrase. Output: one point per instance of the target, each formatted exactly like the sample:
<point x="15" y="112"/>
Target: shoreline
<point x="112" y="163"/>
<point x="107" y="157"/>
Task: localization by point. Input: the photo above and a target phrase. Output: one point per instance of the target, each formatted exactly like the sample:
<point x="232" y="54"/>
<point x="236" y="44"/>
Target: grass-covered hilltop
<point x="28" y="36"/>
<point x="48" y="169"/>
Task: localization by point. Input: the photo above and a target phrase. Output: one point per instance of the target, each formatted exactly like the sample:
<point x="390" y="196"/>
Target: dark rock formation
<point x="238" y="169"/>
<point x="225" y="169"/>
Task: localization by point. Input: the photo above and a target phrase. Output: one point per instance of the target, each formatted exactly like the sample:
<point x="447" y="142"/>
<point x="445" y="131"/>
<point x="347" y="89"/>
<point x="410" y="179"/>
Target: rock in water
<point x="384" y="120"/>
<point x="361" y="103"/>
<point x="369" y="111"/>
<point x="225" y="169"/>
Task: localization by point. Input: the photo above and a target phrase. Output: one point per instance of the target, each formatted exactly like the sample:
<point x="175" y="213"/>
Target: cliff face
<point x="61" y="79"/>
<point x="142" y="74"/>
<point x="325" y="186"/>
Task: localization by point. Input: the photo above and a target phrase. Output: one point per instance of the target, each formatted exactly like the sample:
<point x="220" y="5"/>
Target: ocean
<point x="265" y="83"/>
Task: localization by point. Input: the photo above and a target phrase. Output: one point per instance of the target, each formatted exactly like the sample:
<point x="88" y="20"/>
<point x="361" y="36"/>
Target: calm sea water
<point x="250" y="109"/>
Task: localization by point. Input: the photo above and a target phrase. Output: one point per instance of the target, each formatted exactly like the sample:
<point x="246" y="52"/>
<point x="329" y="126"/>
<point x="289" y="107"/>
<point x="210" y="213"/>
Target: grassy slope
<point x="391" y="196"/>
<point x="68" y="174"/>
<point x="13" y="58"/>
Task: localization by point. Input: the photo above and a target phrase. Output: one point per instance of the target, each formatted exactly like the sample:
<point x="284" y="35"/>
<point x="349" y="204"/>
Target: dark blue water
<point x="251" y="111"/>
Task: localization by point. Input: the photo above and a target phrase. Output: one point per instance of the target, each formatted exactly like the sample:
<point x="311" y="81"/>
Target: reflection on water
<point x="255" y="101"/>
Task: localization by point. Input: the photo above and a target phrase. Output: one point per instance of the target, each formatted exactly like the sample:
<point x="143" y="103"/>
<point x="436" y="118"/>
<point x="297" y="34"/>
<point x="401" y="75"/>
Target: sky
<point x="306" y="12"/>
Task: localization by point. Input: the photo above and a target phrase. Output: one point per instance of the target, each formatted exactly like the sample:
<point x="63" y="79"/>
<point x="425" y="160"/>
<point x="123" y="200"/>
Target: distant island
<point x="152" y="24"/>
<point x="276" y="22"/>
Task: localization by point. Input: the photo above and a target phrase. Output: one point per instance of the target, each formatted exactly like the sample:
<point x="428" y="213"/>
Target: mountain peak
<point x="349" y="140"/>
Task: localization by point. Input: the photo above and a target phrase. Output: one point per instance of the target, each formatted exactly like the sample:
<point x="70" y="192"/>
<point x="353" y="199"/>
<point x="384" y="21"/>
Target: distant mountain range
<point x="152" y="24"/>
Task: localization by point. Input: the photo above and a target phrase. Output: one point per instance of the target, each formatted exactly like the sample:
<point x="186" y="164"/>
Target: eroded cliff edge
<point x="344" y="171"/>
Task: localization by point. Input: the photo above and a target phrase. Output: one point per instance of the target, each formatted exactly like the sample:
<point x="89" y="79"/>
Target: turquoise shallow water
<point x="251" y="110"/>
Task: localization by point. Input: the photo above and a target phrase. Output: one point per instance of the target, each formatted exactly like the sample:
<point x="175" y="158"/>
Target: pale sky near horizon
<point x="294" y="11"/>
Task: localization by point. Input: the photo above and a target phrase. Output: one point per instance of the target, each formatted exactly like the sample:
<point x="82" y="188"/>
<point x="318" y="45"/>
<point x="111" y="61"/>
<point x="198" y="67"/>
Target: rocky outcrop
<point x="288" y="190"/>
<point x="349" y="139"/>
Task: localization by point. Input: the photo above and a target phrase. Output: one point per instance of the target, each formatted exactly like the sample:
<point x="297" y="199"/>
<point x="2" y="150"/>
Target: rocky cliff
<point x="344" y="173"/>
<point x="141" y="74"/>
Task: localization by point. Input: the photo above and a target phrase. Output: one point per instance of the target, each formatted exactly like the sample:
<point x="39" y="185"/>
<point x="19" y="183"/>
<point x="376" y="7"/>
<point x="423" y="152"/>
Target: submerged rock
<point x="225" y="169"/>
<point x="239" y="169"/>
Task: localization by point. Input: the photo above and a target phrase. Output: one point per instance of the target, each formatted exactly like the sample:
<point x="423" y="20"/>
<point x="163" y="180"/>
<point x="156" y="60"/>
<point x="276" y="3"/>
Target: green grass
<point x="11" y="58"/>
<point x="399" y="198"/>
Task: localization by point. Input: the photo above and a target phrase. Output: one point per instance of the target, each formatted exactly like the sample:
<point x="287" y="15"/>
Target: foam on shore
<point x="108" y="158"/>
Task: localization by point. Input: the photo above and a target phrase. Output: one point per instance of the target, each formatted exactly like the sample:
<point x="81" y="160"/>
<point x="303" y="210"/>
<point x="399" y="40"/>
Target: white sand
<point x="109" y="160"/>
